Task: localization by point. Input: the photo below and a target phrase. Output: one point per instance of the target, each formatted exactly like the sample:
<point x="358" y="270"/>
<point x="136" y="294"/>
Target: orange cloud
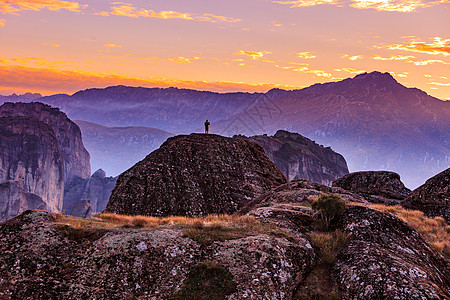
<point x="22" y="78"/>
<point x="395" y="5"/>
<point x="350" y="70"/>
<point x="307" y="3"/>
<point x="305" y="69"/>
<point x="254" y="54"/>
<point x="112" y="46"/>
<point x="396" y="57"/>
<point x="439" y="83"/>
<point x="305" y="55"/>
<point x="438" y="46"/>
<point x="53" y="45"/>
<point x="13" y="6"/>
<point x="183" y="60"/>
<point x="128" y="10"/>
<point x="353" y="57"/>
<point x="405" y="6"/>
<point x="2" y="22"/>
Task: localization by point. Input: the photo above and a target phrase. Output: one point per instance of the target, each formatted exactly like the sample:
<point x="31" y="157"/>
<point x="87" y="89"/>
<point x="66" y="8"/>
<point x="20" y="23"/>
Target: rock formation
<point x="42" y="154"/>
<point x="31" y="167"/>
<point x="300" y="158"/>
<point x="385" y="258"/>
<point x="433" y="197"/>
<point x="97" y="189"/>
<point x="68" y="135"/>
<point x="195" y="174"/>
<point x="375" y="186"/>
<point x="82" y="209"/>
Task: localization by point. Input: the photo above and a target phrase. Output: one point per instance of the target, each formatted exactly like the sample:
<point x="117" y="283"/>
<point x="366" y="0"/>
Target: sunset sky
<point x="52" y="46"/>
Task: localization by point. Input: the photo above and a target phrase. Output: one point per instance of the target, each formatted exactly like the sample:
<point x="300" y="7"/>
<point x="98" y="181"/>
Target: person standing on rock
<point x="207" y="126"/>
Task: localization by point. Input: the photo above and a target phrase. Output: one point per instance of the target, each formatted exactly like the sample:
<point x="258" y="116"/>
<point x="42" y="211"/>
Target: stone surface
<point x="387" y="259"/>
<point x="376" y="186"/>
<point x="31" y="167"/>
<point x="43" y="260"/>
<point x="195" y="174"/>
<point x="433" y="197"/>
<point x="83" y="209"/>
<point x="300" y="158"/>
<point x="97" y="189"/>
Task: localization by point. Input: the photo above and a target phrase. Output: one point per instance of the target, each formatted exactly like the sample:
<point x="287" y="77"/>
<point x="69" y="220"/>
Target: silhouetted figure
<point x="207" y="126"/>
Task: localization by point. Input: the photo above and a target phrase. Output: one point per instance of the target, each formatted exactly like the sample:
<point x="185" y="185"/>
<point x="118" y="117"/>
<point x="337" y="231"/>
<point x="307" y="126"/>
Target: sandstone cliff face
<point x="68" y="135"/>
<point x="195" y="175"/>
<point x="433" y="197"/>
<point x="31" y="167"/>
<point x="300" y="158"/>
<point x="97" y="189"/>
<point x="375" y="186"/>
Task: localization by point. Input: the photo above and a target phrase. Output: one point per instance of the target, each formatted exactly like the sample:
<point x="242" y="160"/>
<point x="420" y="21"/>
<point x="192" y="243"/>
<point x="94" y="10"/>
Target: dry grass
<point x="204" y="230"/>
<point x="434" y="230"/>
<point x="210" y="221"/>
<point x="328" y="244"/>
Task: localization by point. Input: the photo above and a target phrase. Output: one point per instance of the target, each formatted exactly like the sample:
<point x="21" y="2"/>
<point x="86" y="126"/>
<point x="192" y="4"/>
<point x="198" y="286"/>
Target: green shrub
<point x="331" y="207"/>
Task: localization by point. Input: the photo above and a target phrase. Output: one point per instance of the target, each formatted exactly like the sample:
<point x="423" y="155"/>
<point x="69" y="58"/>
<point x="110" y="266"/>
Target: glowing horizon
<point x="53" y="46"/>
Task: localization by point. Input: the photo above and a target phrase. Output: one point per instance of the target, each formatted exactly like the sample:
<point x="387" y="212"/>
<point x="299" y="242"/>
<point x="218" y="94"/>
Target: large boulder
<point x="300" y="158"/>
<point x="31" y="167"/>
<point x="195" y="174"/>
<point x="433" y="197"/>
<point x="375" y="186"/>
<point x="387" y="259"/>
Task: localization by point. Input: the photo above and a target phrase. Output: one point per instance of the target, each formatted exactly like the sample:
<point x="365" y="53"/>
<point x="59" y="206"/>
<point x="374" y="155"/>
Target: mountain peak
<point x="375" y="75"/>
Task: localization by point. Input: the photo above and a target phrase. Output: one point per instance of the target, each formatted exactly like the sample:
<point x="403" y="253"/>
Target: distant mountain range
<point x="115" y="149"/>
<point x="372" y="120"/>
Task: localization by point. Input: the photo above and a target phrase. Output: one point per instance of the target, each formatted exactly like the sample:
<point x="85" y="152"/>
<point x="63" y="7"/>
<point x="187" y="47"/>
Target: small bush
<point x="331" y="207"/>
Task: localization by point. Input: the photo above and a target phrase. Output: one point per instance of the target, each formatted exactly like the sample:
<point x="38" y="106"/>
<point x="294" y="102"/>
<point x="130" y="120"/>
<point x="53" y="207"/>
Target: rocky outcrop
<point x="195" y="174"/>
<point x="300" y="158"/>
<point x="97" y="189"/>
<point x="375" y="186"/>
<point x="433" y="197"/>
<point x="31" y="167"/>
<point x="44" y="258"/>
<point x="385" y="258"/>
<point x="82" y="209"/>
<point x="68" y="134"/>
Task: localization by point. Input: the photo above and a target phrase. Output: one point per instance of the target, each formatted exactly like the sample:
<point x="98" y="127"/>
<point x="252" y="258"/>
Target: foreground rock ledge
<point x="193" y="175"/>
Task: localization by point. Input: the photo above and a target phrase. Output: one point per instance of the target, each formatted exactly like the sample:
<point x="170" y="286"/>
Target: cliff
<point x="68" y="134"/>
<point x="300" y="158"/>
<point x="195" y="174"/>
<point x="31" y="167"/>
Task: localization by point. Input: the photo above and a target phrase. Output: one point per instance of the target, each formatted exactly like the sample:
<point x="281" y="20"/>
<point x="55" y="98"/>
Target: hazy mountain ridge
<point x="371" y="119"/>
<point x="115" y="149"/>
